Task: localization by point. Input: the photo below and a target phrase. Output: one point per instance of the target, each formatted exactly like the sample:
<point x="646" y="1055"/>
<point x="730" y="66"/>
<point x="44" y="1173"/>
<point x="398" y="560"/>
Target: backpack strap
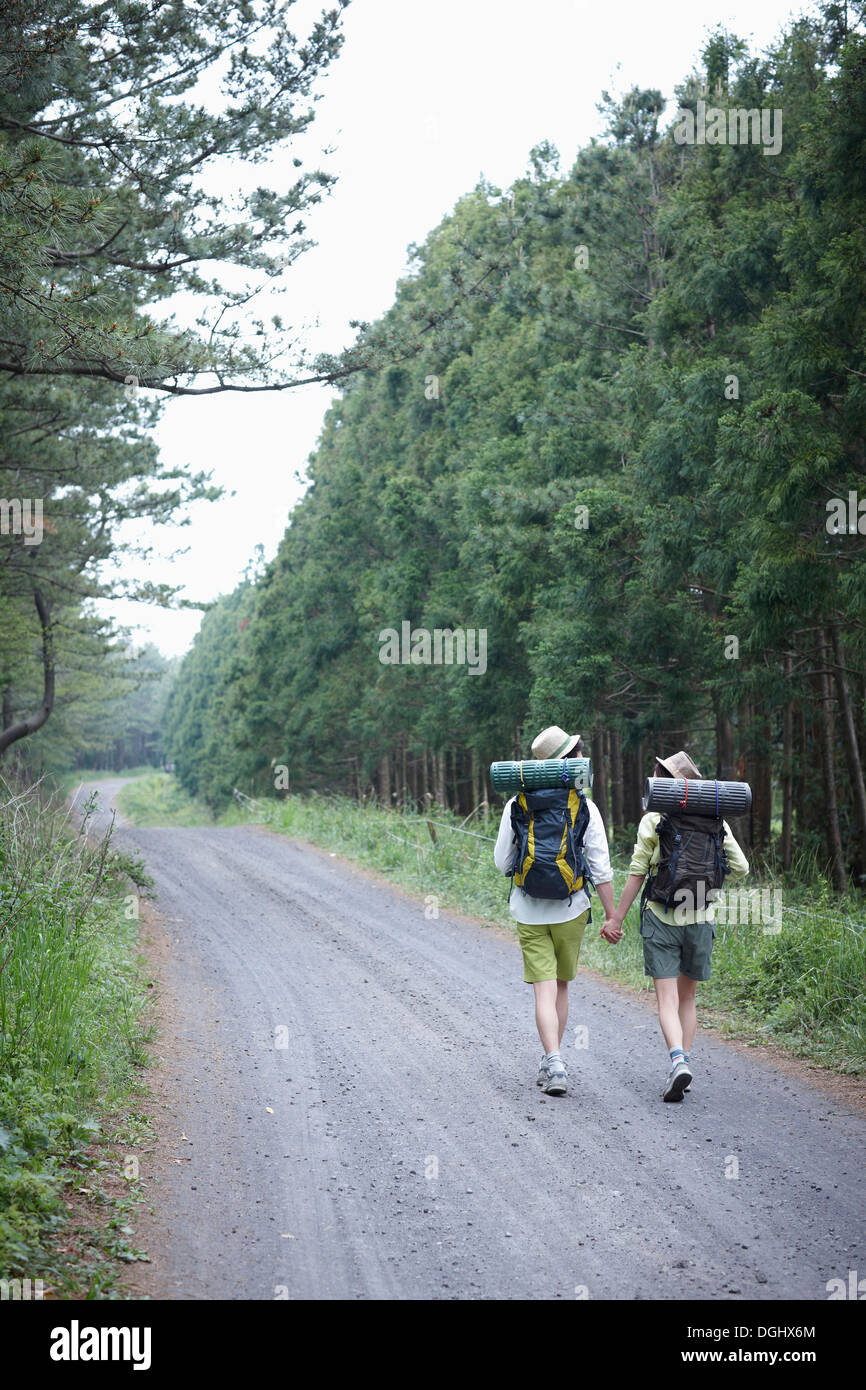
<point x="675" y="855"/>
<point x="721" y="853"/>
<point x="518" y="811"/>
<point x="569" y="832"/>
<point x="582" y="811"/>
<point x="671" y="865"/>
<point x="650" y="877"/>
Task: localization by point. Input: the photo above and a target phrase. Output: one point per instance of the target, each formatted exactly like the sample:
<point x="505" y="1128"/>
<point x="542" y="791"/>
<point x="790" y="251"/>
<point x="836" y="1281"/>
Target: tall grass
<point x="70" y="1012"/>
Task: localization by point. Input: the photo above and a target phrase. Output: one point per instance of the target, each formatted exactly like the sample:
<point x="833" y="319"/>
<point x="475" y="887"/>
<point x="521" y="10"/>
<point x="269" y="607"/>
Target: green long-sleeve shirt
<point x="646" y="857"/>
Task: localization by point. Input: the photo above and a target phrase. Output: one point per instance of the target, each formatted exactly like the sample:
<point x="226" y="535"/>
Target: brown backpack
<point x="692" y="860"/>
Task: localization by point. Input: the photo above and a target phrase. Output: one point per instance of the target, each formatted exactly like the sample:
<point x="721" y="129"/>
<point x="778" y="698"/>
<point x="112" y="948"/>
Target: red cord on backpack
<point x="686" y="797"/>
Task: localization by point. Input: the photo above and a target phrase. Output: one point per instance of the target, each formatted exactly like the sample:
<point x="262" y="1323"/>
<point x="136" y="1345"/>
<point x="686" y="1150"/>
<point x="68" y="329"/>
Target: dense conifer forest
<point x="631" y="460"/>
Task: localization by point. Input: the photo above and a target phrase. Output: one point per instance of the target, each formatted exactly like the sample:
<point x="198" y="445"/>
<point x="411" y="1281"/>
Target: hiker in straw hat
<point x="551" y="928"/>
<point x="677" y="941"/>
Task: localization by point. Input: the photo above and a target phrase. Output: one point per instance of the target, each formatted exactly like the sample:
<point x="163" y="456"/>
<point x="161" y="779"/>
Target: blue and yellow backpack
<point x="549" y="827"/>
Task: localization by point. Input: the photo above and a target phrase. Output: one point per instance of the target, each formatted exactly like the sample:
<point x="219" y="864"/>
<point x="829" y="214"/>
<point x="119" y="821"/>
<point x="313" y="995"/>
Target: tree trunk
<point x="25" y="727"/>
<point x="801" y="747"/>
<point x="413" y="782"/>
<point x="743" y="830"/>
<point x="859" y="685"/>
<point x="632" y="786"/>
<point x="439" y="765"/>
<point x="458" y="790"/>
<point x="849" y="739"/>
<point x="724" y="747"/>
<point x="485" y="787"/>
<point x="762" y="786"/>
<point x="831" y="812"/>
<point x="787" y="771"/>
<point x="384" y="781"/>
<point x="728" y="770"/>
<point x="599" y="774"/>
<point x="616" y="789"/>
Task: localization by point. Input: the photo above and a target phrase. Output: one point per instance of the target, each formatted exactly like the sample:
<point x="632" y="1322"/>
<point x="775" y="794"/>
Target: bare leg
<point x="686" y="990"/>
<point x="562" y="1007"/>
<point x="546" y="1018"/>
<point x="667" y="998"/>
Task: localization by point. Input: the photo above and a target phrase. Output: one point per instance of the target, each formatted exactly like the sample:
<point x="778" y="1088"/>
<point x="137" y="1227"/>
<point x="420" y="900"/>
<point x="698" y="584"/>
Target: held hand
<point x="612" y="930"/>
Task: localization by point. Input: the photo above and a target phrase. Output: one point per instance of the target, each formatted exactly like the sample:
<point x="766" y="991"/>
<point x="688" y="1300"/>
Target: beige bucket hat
<point x="554" y="743"/>
<point x="680" y="765"/>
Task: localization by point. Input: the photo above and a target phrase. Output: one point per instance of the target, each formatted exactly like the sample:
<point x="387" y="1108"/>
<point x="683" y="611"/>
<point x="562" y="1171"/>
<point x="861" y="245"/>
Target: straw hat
<point x="680" y="765"/>
<point x="554" y="743"/>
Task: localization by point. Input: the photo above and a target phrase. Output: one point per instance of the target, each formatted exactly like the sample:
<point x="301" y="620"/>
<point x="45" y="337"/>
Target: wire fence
<point x="253" y="805"/>
<point x="458" y="830"/>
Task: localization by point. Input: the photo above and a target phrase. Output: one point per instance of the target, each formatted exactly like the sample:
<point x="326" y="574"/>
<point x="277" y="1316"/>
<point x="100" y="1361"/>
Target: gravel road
<point x="358" y="1118"/>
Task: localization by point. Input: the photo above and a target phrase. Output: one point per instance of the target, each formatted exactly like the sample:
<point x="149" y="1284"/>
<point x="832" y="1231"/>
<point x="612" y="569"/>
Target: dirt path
<point x="349" y="1111"/>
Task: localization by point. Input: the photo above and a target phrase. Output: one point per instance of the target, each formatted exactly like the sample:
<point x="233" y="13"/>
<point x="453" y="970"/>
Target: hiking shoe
<point x="555" y="1081"/>
<point x="540" y="1078"/>
<point x="679" y="1078"/>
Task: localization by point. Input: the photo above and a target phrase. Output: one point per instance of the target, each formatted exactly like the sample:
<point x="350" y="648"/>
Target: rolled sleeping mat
<point x="537" y="773"/>
<point x="697" y="798"/>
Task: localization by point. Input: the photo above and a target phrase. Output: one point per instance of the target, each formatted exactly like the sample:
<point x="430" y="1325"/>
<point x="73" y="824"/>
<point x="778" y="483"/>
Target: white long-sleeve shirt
<point x="542" y="911"/>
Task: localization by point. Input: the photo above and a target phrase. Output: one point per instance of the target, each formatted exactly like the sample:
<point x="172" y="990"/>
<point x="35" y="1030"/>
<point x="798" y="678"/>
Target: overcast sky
<point x="422" y="100"/>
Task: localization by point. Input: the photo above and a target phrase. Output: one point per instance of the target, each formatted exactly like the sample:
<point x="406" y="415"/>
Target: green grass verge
<point x="73" y="1038"/>
<point x="158" y="799"/>
<point x="800" y="988"/>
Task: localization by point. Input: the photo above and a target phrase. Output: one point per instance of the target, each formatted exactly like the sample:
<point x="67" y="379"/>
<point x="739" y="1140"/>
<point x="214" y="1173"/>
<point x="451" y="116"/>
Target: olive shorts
<point x="550" y="951"/>
<point x="669" y="951"/>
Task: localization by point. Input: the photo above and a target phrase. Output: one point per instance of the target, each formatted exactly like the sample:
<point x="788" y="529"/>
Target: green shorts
<point x="550" y="952"/>
<point x="669" y="951"/>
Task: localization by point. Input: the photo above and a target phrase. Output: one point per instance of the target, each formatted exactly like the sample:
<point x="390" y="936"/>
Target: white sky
<point x="423" y="98"/>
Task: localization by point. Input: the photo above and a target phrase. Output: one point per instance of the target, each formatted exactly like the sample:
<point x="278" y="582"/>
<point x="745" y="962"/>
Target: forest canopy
<point x="627" y="465"/>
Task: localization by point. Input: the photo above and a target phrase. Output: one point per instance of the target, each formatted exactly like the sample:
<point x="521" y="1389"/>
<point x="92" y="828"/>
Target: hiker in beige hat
<point x="677" y="941"/>
<point x="564" y="843"/>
